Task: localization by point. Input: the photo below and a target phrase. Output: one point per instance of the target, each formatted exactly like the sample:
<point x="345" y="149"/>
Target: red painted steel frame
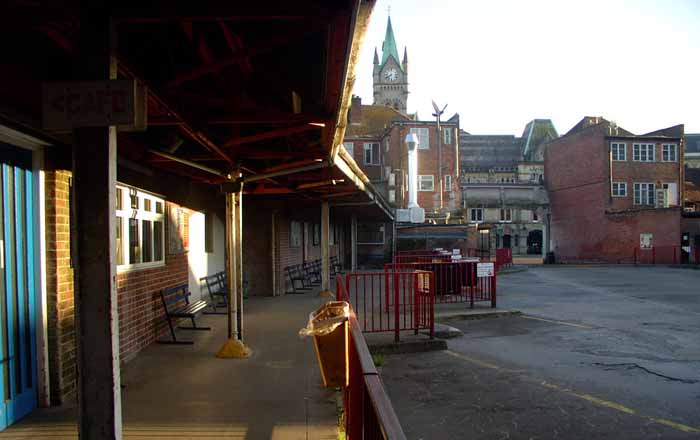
<point x="368" y="412"/>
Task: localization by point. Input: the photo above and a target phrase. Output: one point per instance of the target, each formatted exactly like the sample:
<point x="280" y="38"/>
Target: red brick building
<point x="612" y="192"/>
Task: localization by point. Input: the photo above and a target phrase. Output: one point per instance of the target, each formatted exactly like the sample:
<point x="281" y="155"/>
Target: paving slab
<point x="185" y="392"/>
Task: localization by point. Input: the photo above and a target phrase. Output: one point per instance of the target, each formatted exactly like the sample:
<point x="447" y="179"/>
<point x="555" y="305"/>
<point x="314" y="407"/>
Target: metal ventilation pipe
<point x="412" y="144"/>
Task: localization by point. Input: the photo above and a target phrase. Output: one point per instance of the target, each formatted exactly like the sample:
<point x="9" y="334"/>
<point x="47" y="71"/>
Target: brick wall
<point x="141" y="315"/>
<point x="397" y="157"/>
<point x="59" y="285"/>
<point x="587" y="224"/>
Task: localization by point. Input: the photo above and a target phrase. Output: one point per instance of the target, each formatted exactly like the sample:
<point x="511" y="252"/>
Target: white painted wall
<point x="196" y="258"/>
<point x="201" y="263"/>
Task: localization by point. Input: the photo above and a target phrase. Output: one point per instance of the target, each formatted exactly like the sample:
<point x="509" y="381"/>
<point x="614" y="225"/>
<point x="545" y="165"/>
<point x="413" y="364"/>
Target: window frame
<point x="620" y="185"/>
<point x="506" y="215"/>
<point x="664" y="152"/>
<point x="381" y="228"/>
<point x="650" y="194"/>
<point x="480" y="211"/>
<point x="615" y="148"/>
<point x="417" y="131"/>
<point x="448" y="188"/>
<point x="420" y="183"/>
<point x="295" y="238"/>
<point x="637" y="152"/>
<point x="127" y="212"/>
<point x="447" y="136"/>
<point x="350" y="150"/>
<point x="370" y="146"/>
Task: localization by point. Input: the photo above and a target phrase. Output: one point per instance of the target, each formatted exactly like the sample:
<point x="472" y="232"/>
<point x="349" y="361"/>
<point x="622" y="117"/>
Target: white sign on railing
<point x="484" y="270"/>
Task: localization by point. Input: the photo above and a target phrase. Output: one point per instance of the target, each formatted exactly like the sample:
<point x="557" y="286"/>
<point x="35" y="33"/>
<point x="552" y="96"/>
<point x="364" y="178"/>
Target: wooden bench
<point x="312" y="271"/>
<point x="177" y="305"/>
<point x="218" y="292"/>
<point x="296" y="274"/>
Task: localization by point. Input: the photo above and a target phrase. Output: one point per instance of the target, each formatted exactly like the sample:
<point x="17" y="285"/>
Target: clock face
<point x="391" y="74"/>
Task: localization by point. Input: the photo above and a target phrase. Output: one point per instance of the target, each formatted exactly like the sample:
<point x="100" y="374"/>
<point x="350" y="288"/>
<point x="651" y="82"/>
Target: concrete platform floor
<point x="184" y="392"/>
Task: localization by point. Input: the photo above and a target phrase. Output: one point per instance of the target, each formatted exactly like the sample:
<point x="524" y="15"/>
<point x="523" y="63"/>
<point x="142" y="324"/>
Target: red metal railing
<point x="504" y="257"/>
<point x="423" y="258"/>
<point x="666" y="255"/>
<point x="391" y="302"/>
<point x="455" y="281"/>
<point x="368" y="412"/>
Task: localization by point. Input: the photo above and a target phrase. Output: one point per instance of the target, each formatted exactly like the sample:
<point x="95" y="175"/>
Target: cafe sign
<point x="68" y="105"/>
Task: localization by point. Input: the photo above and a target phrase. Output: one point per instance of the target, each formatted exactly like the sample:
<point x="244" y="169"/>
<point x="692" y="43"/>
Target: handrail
<point x="369" y="413"/>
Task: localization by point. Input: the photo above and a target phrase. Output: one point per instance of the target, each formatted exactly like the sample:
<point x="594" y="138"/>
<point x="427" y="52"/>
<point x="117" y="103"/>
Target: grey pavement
<point x="599" y="352"/>
<point x="179" y="392"/>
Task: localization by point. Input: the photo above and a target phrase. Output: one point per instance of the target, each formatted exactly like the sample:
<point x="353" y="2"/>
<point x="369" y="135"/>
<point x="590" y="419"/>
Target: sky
<point x="502" y="63"/>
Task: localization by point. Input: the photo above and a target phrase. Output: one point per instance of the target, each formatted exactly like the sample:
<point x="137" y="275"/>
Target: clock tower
<point x="390" y="78"/>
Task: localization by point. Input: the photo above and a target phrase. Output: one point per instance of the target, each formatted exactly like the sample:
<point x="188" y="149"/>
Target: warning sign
<point x="484" y="270"/>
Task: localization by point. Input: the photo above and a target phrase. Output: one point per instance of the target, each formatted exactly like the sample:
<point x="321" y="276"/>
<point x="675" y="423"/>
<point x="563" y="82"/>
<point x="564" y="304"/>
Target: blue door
<point x="18" y="370"/>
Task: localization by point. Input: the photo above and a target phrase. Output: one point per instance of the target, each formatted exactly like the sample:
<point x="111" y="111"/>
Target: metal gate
<point x="18" y="370"/>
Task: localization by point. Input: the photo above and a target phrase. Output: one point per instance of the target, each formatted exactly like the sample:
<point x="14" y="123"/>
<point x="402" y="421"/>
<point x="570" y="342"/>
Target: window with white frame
<point x="506" y="215"/>
<point x="294" y="234"/>
<point x="371" y="153"/>
<point x="669" y="153"/>
<point x="448" y="183"/>
<point x="423" y="137"/>
<point x="644" y="194"/>
<point x="349" y="147"/>
<point x="426" y="182"/>
<point x="619" y="151"/>
<point x="140" y="228"/>
<point x="448" y="135"/>
<point x="476" y="214"/>
<point x="643" y="153"/>
<point x="619" y="189"/>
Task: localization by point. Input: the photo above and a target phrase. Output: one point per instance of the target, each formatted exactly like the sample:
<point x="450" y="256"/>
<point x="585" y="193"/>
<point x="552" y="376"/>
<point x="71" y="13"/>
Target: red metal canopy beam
<point x="281" y="132"/>
<point x="244" y="53"/>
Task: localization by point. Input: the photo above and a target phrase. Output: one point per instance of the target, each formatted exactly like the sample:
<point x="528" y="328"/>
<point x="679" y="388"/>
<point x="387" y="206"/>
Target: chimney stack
<point x="355" y="116"/>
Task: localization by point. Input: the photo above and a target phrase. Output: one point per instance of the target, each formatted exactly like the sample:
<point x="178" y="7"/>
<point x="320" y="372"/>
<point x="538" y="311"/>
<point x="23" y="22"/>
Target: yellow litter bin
<point x="329" y="327"/>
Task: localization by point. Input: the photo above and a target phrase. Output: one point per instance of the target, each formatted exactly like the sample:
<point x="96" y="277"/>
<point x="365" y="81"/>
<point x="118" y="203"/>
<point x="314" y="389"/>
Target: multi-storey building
<point x="502" y="187"/>
<point x="611" y="191"/>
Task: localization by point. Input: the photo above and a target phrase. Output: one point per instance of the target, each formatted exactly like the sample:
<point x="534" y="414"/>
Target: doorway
<point x="18" y="370"/>
<point x="506" y="241"/>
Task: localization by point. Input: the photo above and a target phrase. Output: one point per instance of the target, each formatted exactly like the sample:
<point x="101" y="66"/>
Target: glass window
<point x="476" y="215"/>
<point x="619" y="189"/>
<point x="426" y="183"/>
<point x="317" y="234"/>
<point x="506" y="215"/>
<point x="448" y="135"/>
<point x="423" y="137"/>
<point x="669" y="153"/>
<point x="371" y="153"/>
<point x="643" y="152"/>
<point x="619" y="151"/>
<point x="370" y="233"/>
<point x="349" y="147"/>
<point x="147" y="241"/>
<point x="644" y="194"/>
<point x="294" y="234"/>
<point x="448" y="183"/>
<point x="139" y="230"/>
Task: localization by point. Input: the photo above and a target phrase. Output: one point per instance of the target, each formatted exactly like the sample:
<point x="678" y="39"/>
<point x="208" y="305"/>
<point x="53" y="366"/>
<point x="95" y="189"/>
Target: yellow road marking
<point x="587" y="397"/>
<point x="570" y="324"/>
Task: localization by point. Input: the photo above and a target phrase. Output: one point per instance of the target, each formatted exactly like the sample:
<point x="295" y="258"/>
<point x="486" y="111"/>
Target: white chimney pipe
<point x="412" y="144"/>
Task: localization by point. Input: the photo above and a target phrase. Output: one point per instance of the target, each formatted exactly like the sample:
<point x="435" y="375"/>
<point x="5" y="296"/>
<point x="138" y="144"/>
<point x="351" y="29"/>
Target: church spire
<point x="376" y="58"/>
<point x="389" y="44"/>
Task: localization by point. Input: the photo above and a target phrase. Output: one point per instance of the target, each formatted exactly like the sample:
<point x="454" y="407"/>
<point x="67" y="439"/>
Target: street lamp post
<point x="437" y="115"/>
